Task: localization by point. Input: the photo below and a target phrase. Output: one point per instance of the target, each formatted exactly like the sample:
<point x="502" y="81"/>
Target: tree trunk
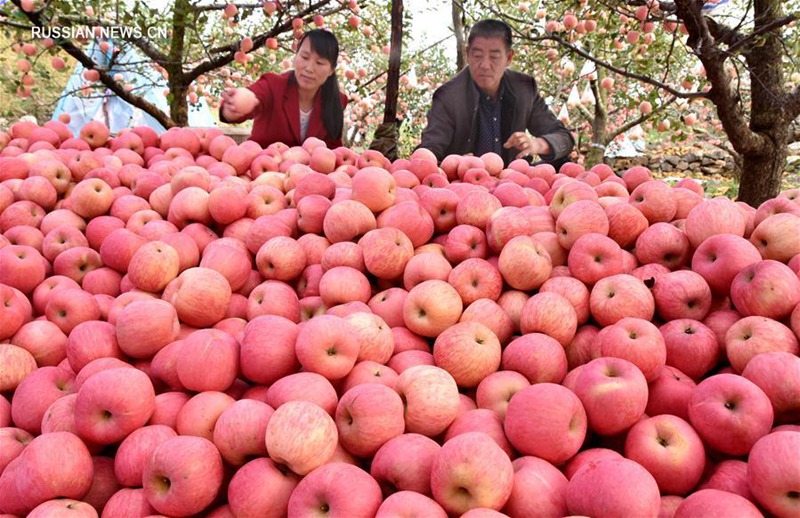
<point x="395" y="55"/>
<point x="597" y="148"/>
<point x="763" y="168"/>
<point x="761" y="175"/>
<point x="178" y="105"/>
<point x="458" y="30"/>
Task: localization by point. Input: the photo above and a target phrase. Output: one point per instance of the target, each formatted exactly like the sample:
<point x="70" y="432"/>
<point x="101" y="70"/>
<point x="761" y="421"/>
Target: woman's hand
<point x="238" y="103"/>
<point x="527" y="144"/>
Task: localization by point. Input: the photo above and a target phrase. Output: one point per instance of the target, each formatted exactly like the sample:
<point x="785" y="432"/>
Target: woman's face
<point x="311" y="69"/>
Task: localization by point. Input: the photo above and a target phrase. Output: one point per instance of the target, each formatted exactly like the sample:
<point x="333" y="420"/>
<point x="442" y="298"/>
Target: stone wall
<point x="703" y="161"/>
<point x="706" y="162"/>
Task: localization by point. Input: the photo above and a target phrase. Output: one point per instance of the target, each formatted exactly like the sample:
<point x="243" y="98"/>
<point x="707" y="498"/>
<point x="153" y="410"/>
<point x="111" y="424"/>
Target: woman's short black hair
<point x="491" y="29"/>
<point x="326" y="45"/>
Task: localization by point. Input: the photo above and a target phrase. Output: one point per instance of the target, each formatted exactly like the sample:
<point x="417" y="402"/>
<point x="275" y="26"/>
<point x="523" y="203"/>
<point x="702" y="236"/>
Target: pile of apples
<point x="191" y="326"/>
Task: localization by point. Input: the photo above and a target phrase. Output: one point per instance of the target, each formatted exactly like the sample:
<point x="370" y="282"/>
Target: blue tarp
<point x="113" y="111"/>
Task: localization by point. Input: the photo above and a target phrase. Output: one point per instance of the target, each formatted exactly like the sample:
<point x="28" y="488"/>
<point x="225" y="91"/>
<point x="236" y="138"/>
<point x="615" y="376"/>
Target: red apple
<point x="637" y="341"/>
<point x="404" y="464"/>
<point x="471" y="471"/>
<point x="664" y="244"/>
<point x="183" y="476"/>
<point x="524" y="263"/>
<point x="619" y="296"/>
<point x="52" y="465"/>
<point x="346" y="220"/>
<point x="778" y="375"/>
<point x="21" y="267"/>
<point x="766" y="288"/>
<point x="730" y="413"/>
<point x="712" y="217"/>
<point x="246" y="492"/>
<point x="719" y="258"/>
<point x="755" y="335"/>
<point x="716" y="501"/>
<point x="35" y="393"/>
<point x="539" y="357"/>
<point x="682" y="294"/>
<point x="773" y="474"/>
<point x="613" y="392"/>
<point x="208" y="360"/>
<point x="303" y="386"/>
<point x="324" y="346"/>
<point x="301" y="435"/>
<point x="266" y="365"/>
<point x="44" y="340"/>
<point x="692" y="347"/>
<point x="374" y="187"/>
<point x="551" y="314"/>
<point x="113" y="403"/>
<point x="200" y="296"/>
<point x="594" y="256"/>
<point x="386" y="252"/>
<point x="407" y="504"/>
<point x="546" y="420"/>
<point x="145" y="326"/>
<point x="777" y="237"/>
<point x="655" y="199"/>
<point x="604" y="488"/>
<point x="135" y="450"/>
<point x="430" y="397"/>
<point x="431" y="307"/>
<point x="94" y="133"/>
<point x="670" y="449"/>
<point x="321" y="491"/>
<point x="539" y="488"/>
<point x="368" y="416"/>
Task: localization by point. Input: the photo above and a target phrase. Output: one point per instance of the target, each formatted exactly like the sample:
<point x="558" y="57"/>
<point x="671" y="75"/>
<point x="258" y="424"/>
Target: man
<point x="490" y="108"/>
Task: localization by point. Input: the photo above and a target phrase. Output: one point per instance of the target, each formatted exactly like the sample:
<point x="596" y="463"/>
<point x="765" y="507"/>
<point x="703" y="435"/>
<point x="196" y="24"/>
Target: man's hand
<point x="527" y="144"/>
<point x="238" y="103"/>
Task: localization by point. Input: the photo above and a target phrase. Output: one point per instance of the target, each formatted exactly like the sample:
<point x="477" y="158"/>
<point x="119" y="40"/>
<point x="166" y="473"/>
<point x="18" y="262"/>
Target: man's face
<point x="488" y="58"/>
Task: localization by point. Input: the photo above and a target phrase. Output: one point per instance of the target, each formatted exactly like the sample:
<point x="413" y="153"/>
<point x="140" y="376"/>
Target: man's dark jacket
<point x="453" y="118"/>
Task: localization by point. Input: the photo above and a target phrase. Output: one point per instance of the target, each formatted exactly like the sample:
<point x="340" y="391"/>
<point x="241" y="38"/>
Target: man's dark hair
<point x="491" y="29"/>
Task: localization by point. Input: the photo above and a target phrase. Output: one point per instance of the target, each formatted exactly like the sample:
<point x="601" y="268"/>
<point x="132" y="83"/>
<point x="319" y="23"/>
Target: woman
<point x="301" y="103"/>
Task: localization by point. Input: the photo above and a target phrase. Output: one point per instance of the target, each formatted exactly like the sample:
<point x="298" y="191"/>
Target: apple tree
<point x="732" y="68"/>
<point x="195" y="45"/>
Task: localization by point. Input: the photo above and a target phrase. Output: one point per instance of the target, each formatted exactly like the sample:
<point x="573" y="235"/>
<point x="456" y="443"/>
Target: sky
<point x="431" y="23"/>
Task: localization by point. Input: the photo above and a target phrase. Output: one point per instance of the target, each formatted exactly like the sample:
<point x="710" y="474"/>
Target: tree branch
<point x="722" y="94"/>
<point x="221" y="7"/>
<point x="737" y="41"/>
<point x="147" y="48"/>
<point x="259" y="41"/>
<point x="16" y="25"/>
<point x="105" y="77"/>
<point x="639" y="77"/>
<point x="585" y="111"/>
<point x="642" y="118"/>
